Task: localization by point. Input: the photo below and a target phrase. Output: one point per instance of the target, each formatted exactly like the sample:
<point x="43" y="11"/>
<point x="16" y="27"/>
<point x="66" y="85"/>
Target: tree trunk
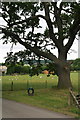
<point x="63" y="70"/>
<point x="64" y="80"/>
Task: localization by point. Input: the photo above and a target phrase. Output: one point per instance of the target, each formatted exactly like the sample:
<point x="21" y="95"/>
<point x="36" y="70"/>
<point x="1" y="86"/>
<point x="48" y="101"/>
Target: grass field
<point x="22" y="82"/>
<point x="46" y="93"/>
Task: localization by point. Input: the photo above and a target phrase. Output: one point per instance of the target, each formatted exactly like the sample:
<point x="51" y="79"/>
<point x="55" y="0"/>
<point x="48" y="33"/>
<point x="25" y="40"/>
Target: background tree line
<point x="36" y="69"/>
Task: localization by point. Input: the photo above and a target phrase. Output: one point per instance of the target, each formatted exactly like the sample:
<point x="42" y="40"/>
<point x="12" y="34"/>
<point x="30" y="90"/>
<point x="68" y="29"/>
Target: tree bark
<point x="63" y="70"/>
<point x="64" y="77"/>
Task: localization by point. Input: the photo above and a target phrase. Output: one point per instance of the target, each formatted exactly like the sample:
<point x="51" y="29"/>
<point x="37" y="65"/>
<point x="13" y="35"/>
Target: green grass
<point x="22" y="82"/>
<point x="75" y="80"/>
<point x="46" y="93"/>
<point x="49" y="98"/>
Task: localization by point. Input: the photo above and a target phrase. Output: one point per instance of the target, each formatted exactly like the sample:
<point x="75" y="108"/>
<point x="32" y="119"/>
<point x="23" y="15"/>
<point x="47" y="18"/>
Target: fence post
<point x="73" y="99"/>
<point x="46" y="84"/>
<point x="70" y="100"/>
<point x="12" y="86"/>
<point x="27" y="84"/>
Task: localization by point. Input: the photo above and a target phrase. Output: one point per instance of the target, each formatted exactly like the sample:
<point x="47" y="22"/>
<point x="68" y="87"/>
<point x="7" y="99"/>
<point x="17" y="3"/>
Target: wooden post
<point x="12" y="86"/>
<point x="27" y="84"/>
<point x="70" y="100"/>
<point x="46" y="84"/>
<point x="73" y="99"/>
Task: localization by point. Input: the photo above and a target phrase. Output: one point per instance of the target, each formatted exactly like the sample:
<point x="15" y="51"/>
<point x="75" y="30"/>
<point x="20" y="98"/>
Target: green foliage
<point x="44" y="67"/>
<point x="35" y="70"/>
<point x="51" y="67"/>
<point x="18" y="57"/>
<point x="76" y="64"/>
<point x="14" y="13"/>
<point x="10" y="70"/>
<point x="25" y="69"/>
<point x="18" y="69"/>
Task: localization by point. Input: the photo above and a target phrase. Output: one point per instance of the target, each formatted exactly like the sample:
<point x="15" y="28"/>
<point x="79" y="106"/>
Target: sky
<point x="4" y="48"/>
<point x="73" y="54"/>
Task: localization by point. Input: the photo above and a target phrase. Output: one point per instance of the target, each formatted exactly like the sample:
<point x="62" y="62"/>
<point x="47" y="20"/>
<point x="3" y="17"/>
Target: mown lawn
<point x="22" y="82"/>
<point x="46" y="93"/>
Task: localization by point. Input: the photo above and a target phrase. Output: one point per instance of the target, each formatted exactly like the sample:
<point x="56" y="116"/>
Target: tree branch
<point x="50" y="26"/>
<point x="27" y="20"/>
<point x="57" y="13"/>
<point x="67" y="10"/>
<point x="73" y="31"/>
<point x="34" y="49"/>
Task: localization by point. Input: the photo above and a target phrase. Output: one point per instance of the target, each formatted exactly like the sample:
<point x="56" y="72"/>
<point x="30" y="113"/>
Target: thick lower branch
<point x="34" y="49"/>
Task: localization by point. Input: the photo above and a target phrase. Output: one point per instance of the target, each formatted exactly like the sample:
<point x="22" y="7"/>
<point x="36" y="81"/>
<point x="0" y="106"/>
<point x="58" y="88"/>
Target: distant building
<point x="3" y="70"/>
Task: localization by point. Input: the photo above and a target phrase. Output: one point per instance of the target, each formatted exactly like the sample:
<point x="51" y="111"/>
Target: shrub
<point x="18" y="69"/>
<point x="75" y="65"/>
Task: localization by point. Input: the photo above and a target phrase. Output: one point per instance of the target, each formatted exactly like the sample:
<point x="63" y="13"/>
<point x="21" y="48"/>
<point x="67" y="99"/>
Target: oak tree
<point x="58" y="29"/>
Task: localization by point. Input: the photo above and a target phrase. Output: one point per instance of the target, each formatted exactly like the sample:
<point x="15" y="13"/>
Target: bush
<point x="76" y="65"/>
<point x="10" y="69"/>
<point x="18" y="69"/>
<point x="25" y="69"/>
